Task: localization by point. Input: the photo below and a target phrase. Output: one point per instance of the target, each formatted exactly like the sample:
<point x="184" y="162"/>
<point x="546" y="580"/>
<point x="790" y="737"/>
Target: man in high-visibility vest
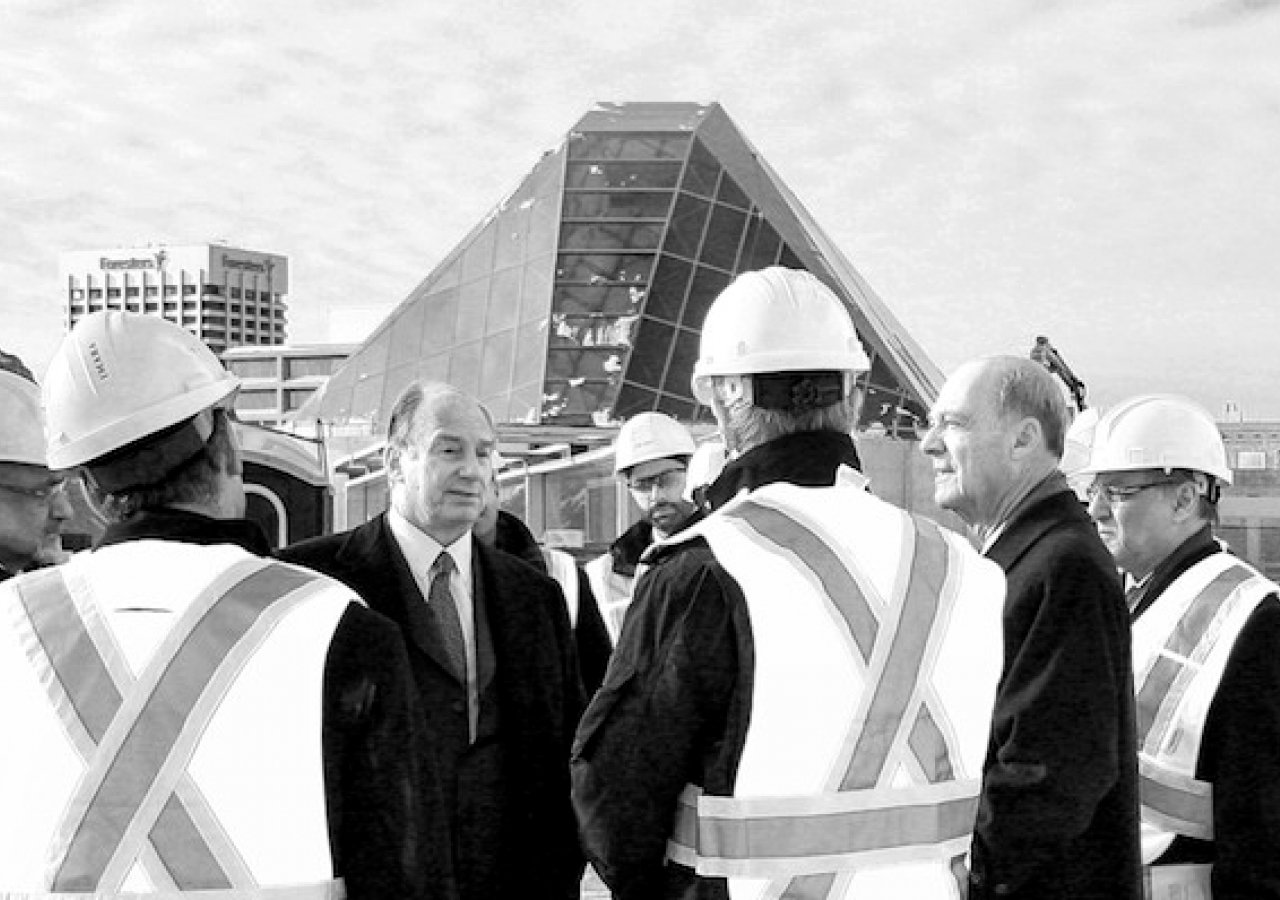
<point x="799" y="701"/>
<point x="181" y="714"/>
<point x="651" y="455"/>
<point x="1206" y="654"/>
<point x="33" y="502"/>
<point x="1059" y="813"/>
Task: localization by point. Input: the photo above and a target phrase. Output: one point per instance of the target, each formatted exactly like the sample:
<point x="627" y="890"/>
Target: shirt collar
<point x="421" y="550"/>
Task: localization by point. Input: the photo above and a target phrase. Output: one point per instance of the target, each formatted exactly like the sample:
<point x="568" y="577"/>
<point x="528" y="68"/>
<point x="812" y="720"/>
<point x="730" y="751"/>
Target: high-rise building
<point x="226" y="296"/>
<point x="579" y="300"/>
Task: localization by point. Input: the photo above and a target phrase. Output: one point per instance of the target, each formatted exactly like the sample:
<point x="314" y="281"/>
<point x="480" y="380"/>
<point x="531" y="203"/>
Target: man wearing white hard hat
<point x="1206" y="654"/>
<point x="651" y="455"/>
<point x="798" y="704"/>
<point x="182" y="715"/>
<point x="33" y="502"/>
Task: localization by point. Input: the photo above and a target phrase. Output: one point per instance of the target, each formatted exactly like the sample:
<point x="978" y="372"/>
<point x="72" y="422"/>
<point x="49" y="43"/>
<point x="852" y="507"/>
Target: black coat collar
<point x="187" y="528"/>
<point x="809" y="459"/>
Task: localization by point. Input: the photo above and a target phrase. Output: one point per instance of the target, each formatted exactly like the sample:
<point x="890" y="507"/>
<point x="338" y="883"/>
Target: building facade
<point x="277" y="380"/>
<point x="226" y="296"/>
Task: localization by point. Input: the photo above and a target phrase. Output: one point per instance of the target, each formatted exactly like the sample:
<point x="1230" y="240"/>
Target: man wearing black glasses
<point x="33" y="505"/>
<point x="1206" y="627"/>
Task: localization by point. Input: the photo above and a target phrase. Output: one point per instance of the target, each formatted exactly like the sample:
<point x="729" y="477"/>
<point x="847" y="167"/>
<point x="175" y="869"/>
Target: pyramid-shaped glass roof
<point x="579" y="299"/>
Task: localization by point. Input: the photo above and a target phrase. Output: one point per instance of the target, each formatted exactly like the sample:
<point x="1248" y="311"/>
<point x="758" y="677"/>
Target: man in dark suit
<point x="1058" y="816"/>
<point x="490" y="645"/>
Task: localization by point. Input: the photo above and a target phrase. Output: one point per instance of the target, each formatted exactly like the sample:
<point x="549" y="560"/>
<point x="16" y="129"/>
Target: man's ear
<point x="391" y="462"/>
<point x="1027" y="435"/>
<point x="1186" y="499"/>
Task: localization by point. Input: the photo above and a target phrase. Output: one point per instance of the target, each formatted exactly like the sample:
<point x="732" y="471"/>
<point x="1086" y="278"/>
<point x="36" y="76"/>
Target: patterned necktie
<point x="444" y="611"/>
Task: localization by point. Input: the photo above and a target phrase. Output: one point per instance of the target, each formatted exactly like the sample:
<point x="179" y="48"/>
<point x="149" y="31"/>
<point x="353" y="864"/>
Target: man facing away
<point x="651" y="455"/>
<point x="490" y="647"/>
<point x="180" y="714"/>
<point x="799" y="702"/>
<point x="1206" y="654"/>
<point x="1058" y="817"/>
<point x="33" y="501"/>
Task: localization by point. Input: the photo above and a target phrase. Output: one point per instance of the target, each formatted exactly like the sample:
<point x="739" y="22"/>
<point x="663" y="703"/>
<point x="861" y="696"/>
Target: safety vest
<point x="612" y="591"/>
<point x="1180" y="647"/>
<point x="877" y="645"/>
<point x="564" y="569"/>
<point x="162" y="709"/>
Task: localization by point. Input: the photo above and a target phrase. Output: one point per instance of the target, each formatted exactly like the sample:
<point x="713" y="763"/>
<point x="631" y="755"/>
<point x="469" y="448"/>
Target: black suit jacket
<point x="513" y="827"/>
<point x="1059" y="811"/>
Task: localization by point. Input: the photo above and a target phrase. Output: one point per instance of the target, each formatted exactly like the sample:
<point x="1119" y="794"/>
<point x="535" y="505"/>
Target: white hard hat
<point x="776" y="320"/>
<point x="119" y="377"/>
<point x="1158" y="431"/>
<point x="22" y="434"/>
<point x="649" y="436"/>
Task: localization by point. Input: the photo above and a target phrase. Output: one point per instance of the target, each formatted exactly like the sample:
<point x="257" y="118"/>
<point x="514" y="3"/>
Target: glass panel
<point x="760" y="250"/>
<point x="619" y="236"/>
<point x="472" y="302"/>
<point x="731" y="193"/>
<point x="252" y="368"/>
<point x="512" y="229"/>
<point x="248" y="399"/>
<point x="504" y="301"/>
<point x="439" y="321"/>
<point x="478" y="258"/>
<point x="582" y="498"/>
<point x="367" y="400"/>
<point x="495" y="376"/>
<point x="611" y="300"/>
<point x="525" y="404"/>
<point x="576" y="403"/>
<point x="630" y="205"/>
<point x="464" y="368"/>
<point x="319" y="367"/>
<point x="676" y="408"/>
<point x="398" y="379"/>
<point x="684" y="234"/>
<point x="535" y="298"/>
<point x="634" y="399"/>
<point x="622" y="175"/>
<point x="434" y="369"/>
<point x="530" y="352"/>
<point x="666" y="294"/>
<point x="294" y="399"/>
<point x="707" y="285"/>
<point x="406" y="334"/>
<point x="597" y="267"/>
<point x="680" y="369"/>
<point x="592" y="331"/>
<point x="702" y="173"/>
<point x="614" y="145"/>
<point x="648" y="360"/>
<point x="570" y="363"/>
<point x="720" y="246"/>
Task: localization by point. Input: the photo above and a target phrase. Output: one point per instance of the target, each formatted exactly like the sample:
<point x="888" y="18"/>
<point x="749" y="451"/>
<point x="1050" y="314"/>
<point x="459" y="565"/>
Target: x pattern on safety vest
<point x="803" y="841"/>
<point x="135" y="800"/>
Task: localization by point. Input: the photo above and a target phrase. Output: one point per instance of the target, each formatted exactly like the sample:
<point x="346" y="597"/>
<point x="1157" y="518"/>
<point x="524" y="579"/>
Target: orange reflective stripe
<point x="771" y="837"/>
<point x="1175" y="802"/>
<point x="87" y="696"/>
<point x="1157" y="702"/>
<point x="325" y="890"/>
<point x="146" y="749"/>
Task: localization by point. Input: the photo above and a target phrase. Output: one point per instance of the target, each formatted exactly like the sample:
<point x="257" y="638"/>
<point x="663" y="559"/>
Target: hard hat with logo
<point x="123" y="394"/>
<point x="648" y="436"/>
<point x="1158" y="431"/>
<point x="776" y="320"/>
<point x="22" y="434"/>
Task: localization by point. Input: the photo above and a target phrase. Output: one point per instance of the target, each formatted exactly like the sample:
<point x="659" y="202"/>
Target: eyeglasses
<point x="672" y="478"/>
<point x="43" y="492"/>
<point x="1123" y="494"/>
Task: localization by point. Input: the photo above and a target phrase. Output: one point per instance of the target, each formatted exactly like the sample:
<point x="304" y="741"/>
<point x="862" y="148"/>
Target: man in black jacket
<point x="1058" y="817"/>
<point x="1206" y="630"/>
<point x="490" y="646"/>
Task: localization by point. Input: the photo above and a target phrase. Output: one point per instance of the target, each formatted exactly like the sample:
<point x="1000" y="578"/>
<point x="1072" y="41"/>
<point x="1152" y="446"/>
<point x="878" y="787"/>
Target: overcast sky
<point x="1104" y="173"/>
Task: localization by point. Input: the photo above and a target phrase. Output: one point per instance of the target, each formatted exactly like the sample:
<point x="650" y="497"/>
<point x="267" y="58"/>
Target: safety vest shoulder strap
<point x="1205" y="609"/>
<point x="136" y="736"/>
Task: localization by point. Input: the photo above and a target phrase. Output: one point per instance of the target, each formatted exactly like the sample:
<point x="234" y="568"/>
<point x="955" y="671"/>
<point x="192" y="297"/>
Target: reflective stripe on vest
<point x="612" y="592"/>
<point x="1183" y="664"/>
<point x="137" y="737"/>
<point x="808" y="839"/>
<point x="326" y="890"/>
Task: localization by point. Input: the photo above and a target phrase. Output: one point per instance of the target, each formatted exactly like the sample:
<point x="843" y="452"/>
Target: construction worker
<point x="33" y="501"/>
<point x="651" y="455"/>
<point x="804" y="682"/>
<point x="181" y="714"/>
<point x="1206" y="631"/>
